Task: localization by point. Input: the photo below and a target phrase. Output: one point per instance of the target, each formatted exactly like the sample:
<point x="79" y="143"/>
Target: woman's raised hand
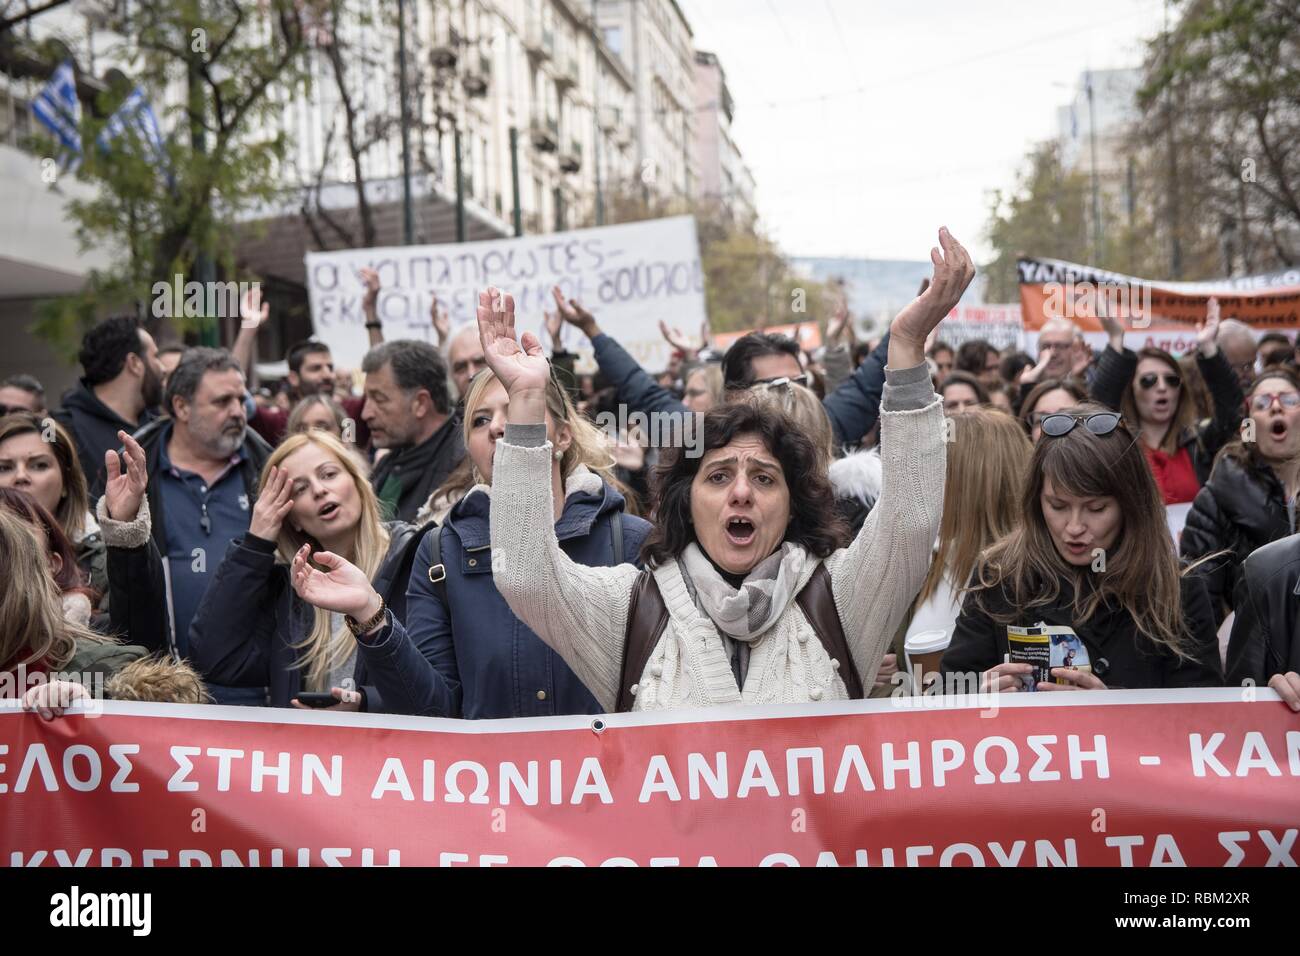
<point x="1207" y="333"/>
<point x="953" y="272"/>
<point x="125" y="489"/>
<point x="518" y="364"/>
<point x="273" y="506"/>
<point x="342" y="587"/>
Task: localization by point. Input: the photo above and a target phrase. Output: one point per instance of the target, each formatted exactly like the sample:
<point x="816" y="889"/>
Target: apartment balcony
<point x="566" y="72"/>
<point x="571" y="158"/>
<point x="539" y="40"/>
<point x="446" y="54"/>
<point x="546" y="135"/>
<point x="476" y="77"/>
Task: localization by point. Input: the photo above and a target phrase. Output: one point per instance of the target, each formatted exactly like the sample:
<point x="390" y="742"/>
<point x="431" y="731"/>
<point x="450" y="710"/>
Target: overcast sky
<point x="955" y="94"/>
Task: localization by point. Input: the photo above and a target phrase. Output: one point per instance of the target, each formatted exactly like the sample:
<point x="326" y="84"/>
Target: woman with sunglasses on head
<point x="1250" y="498"/>
<point x="1091" y="553"/>
<point x="1148" y="388"/>
<point x="1047" y="397"/>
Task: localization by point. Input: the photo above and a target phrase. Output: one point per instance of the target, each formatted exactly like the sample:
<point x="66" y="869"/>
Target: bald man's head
<point x="465" y="356"/>
<point x="1237" y="343"/>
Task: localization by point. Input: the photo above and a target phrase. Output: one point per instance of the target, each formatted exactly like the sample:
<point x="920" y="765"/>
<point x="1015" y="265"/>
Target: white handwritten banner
<point x="629" y="276"/>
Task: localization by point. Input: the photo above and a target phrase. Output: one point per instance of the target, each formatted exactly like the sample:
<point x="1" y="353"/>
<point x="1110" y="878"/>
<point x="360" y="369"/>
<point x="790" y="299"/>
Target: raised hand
<point x="554" y="326"/>
<point x="441" y="321"/>
<point x="1207" y="332"/>
<point x="1082" y="359"/>
<point x="1111" y="325"/>
<point x="953" y="272"/>
<point x="678" y="340"/>
<point x="370" y="279"/>
<point x="840" y="324"/>
<point x="341" y="587"/>
<point x="518" y="364"/>
<point x="252" y="310"/>
<point x="273" y="506"/>
<point x="572" y="312"/>
<point x="1030" y="376"/>
<point x="125" y="489"/>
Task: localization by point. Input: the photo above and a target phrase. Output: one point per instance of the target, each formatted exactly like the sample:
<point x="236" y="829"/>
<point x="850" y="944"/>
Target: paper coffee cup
<point x="924" y="650"/>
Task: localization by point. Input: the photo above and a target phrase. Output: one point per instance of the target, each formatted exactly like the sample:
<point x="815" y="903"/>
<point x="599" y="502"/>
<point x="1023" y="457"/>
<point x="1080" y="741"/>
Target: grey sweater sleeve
<point x="526" y="436"/>
<point x="907" y="389"/>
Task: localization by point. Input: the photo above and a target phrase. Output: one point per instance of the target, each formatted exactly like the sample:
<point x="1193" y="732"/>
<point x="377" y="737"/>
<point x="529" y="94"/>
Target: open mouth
<point x="740" y="531"/>
<point x="329" y="510"/>
<point x="1076" y="547"/>
<point x="1278" y="429"/>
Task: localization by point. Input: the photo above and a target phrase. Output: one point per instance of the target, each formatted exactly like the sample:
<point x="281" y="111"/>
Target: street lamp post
<point x="408" y="214"/>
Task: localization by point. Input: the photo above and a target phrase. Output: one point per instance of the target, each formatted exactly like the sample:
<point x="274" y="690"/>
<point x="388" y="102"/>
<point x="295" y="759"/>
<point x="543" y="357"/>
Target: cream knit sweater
<point x="581" y="612"/>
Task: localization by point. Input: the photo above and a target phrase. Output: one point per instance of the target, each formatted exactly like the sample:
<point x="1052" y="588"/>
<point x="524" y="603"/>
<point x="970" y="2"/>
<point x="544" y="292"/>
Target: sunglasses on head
<point x="1264" y="400"/>
<point x="1059" y="423"/>
<point x="1149" y="380"/>
<point x="803" y="380"/>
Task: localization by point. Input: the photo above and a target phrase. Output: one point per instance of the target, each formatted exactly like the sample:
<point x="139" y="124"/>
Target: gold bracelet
<point x="358" y="629"/>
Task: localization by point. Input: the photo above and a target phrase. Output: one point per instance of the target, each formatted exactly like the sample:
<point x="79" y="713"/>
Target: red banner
<point x="1196" y="778"/>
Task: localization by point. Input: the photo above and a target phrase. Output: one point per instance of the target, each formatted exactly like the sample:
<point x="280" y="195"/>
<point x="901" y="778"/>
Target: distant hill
<point x="877" y="288"/>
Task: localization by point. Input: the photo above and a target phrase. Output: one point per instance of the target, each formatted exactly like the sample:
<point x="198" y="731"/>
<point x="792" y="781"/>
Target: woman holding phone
<point x="1092" y="553"/>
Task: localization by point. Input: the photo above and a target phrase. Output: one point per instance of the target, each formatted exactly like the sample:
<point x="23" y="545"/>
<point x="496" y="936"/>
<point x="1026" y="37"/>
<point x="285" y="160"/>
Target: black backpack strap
<point x="438" y="571"/>
<point x="616" y="530"/>
<point x="647" y="617"/>
<point x="818" y="605"/>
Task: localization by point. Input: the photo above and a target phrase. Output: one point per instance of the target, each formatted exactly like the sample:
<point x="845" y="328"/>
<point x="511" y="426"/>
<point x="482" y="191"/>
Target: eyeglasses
<point x="1263" y="401"/>
<point x="1149" y="380"/>
<point x="473" y="366"/>
<point x="784" y="380"/>
<point x="1059" y="423"/>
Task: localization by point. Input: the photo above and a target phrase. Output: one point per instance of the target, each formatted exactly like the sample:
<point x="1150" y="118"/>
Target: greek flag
<point x="136" y="116"/>
<point x="58" y="108"/>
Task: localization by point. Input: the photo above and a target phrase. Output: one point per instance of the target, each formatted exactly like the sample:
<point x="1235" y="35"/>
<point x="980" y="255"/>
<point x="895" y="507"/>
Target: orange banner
<point x="1052" y="289"/>
<point x="1105" y="778"/>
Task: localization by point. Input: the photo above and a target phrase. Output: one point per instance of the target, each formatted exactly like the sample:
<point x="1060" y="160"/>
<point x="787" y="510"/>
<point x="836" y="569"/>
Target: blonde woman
<point x="460" y="646"/>
<point x="988" y="459"/>
<point x="252" y="630"/>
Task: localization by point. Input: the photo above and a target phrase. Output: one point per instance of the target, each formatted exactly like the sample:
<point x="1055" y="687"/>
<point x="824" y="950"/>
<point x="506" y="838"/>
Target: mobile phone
<point x="311" y="699"/>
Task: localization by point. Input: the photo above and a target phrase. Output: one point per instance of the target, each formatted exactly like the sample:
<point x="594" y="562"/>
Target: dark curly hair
<point x="814" y="524"/>
<point x="105" y="347"/>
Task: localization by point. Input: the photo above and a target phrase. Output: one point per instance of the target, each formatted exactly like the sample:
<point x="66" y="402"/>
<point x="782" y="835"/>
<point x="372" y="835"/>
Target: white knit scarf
<point x="744" y="613"/>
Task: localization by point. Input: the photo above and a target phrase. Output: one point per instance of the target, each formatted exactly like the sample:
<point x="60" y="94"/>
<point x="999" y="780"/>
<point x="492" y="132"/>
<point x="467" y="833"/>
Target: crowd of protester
<point x="460" y="539"/>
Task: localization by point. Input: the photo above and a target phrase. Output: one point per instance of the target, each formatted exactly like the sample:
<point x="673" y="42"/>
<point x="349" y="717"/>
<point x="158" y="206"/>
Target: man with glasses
<point x="21" y="393"/>
<point x="1237" y="342"/>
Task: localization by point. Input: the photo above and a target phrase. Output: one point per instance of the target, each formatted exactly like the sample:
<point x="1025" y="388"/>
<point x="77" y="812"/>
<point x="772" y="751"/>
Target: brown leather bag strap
<point x="818" y="605"/>
<point x="647" y="617"/>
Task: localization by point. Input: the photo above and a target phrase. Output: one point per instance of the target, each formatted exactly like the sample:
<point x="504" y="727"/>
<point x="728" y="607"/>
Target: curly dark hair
<point x="813" y="523"/>
<point x="105" y="347"/>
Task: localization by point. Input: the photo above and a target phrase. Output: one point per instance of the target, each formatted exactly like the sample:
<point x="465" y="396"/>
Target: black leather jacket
<point x="1264" y="640"/>
<point x="1242" y="507"/>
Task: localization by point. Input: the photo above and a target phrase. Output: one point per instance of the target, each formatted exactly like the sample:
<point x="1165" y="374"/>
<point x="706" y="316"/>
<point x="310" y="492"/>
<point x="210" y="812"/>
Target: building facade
<point x="723" y="176"/>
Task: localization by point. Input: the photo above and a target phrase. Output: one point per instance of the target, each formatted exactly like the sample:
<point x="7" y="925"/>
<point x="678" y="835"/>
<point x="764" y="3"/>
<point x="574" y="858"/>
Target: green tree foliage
<point x="229" y="67"/>
<point x="1221" y="100"/>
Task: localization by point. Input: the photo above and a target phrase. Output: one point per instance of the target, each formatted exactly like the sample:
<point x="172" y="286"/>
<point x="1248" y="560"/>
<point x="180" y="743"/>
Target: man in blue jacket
<point x="853" y="408"/>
